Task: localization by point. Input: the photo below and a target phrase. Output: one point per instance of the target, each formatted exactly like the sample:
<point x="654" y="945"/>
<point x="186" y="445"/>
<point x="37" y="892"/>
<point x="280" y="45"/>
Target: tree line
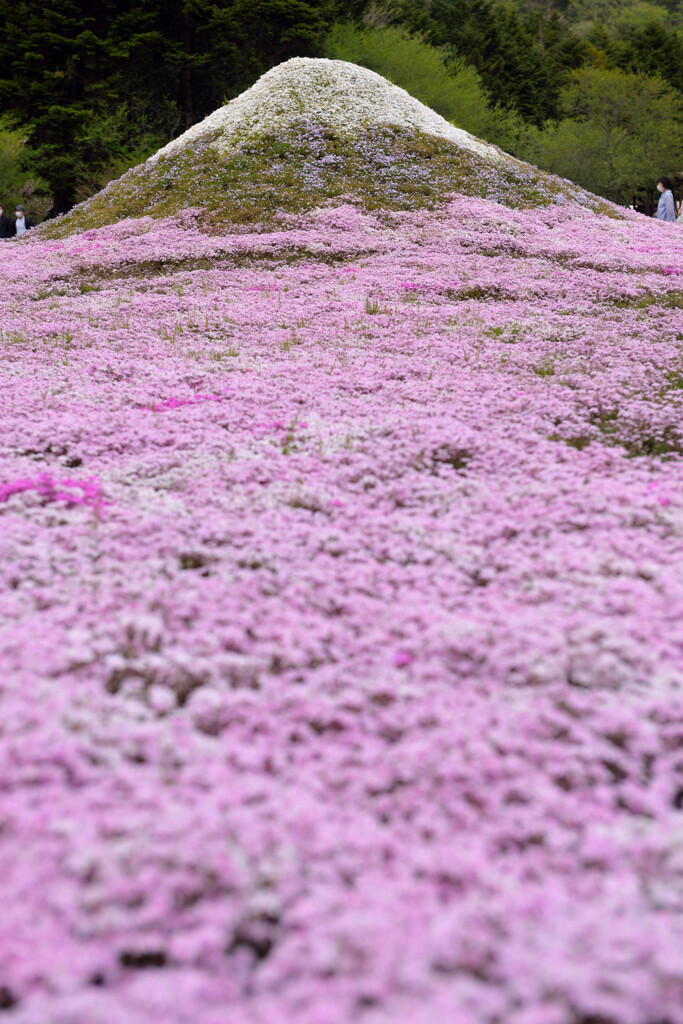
<point x="590" y="89"/>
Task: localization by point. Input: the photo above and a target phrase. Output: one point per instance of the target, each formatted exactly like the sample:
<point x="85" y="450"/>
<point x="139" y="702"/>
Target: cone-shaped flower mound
<point x="341" y="96"/>
<point x="317" y="132"/>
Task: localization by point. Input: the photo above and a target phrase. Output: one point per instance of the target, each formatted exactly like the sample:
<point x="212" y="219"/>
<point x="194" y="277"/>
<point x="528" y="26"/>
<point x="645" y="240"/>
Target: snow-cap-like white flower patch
<point x="343" y="96"/>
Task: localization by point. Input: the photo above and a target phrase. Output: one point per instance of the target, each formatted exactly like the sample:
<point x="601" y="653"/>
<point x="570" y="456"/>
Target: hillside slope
<point x="311" y="132"/>
<point x="341" y="621"/>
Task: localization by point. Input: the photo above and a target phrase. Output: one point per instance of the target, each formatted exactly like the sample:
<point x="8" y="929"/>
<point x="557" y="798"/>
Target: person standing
<point x="6" y="225"/>
<point x="22" y="222"/>
<point x="666" y="208"/>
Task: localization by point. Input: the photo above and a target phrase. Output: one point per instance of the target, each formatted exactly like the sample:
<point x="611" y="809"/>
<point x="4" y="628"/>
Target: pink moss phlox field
<point x="361" y="702"/>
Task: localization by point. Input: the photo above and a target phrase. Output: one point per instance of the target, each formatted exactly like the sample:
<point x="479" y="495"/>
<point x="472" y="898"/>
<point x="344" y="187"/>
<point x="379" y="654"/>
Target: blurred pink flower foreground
<point x="342" y="622"/>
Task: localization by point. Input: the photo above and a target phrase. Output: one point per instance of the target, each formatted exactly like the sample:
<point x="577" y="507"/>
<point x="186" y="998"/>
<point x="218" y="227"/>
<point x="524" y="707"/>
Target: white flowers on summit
<point x="340" y="95"/>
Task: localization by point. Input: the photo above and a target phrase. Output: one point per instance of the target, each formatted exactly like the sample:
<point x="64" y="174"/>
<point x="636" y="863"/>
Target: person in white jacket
<point x="666" y="208"/>
<point x="22" y="223"/>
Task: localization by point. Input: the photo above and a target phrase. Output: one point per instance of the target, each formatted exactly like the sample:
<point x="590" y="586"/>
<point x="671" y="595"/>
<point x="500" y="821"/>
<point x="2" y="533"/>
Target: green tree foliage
<point x="636" y="36"/>
<point x="159" y="65"/>
<point x="653" y="50"/>
<point x="17" y="184"/>
<point x="454" y="90"/>
<point x="94" y="86"/>
<point x="113" y="142"/>
<point x="497" y="42"/>
<point x="620" y="132"/>
<point x="621" y="15"/>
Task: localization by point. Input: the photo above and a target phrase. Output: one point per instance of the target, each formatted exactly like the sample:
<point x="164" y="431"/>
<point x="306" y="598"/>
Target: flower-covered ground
<point x="342" y="621"/>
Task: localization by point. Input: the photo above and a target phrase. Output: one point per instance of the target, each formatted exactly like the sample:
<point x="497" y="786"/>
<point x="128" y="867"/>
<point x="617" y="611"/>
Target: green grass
<point x="669" y="300"/>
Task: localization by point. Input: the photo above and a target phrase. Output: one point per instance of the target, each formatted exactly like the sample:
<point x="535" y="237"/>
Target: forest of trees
<point x="589" y="89"/>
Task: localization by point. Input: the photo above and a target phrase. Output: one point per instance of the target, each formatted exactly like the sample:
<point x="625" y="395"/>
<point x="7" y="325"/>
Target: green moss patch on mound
<point x="292" y="171"/>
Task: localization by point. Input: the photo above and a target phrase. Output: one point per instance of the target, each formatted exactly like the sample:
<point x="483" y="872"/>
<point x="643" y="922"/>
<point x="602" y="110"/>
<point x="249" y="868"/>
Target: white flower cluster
<point x="340" y="95"/>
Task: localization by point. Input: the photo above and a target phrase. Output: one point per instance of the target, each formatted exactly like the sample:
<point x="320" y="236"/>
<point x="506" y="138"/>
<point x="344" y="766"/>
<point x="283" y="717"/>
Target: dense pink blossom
<point x="342" y="621"/>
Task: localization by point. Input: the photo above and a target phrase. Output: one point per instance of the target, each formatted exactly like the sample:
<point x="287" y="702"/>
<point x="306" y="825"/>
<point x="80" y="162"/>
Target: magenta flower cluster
<point x="341" y="621"/>
<point x="73" y="492"/>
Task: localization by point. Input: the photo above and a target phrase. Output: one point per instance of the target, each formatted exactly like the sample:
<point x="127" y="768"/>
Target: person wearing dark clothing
<point x="22" y="222"/>
<point x="6" y="225"/>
